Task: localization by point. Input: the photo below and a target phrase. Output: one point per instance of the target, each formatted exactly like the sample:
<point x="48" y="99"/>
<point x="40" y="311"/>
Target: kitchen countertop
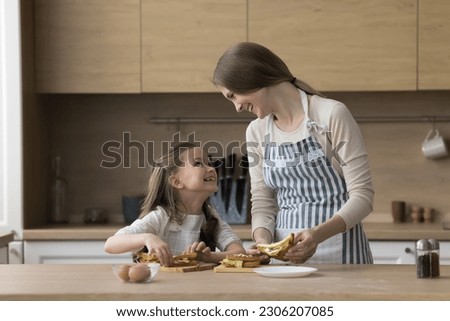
<point x="374" y="231"/>
<point x="330" y="282"/>
<point x="6" y="238"/>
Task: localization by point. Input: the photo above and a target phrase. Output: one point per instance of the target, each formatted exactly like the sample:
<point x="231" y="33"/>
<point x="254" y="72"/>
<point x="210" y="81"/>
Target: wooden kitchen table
<point x="330" y="282"/>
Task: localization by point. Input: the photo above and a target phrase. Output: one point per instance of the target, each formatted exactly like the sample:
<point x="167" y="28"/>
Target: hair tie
<point x="293" y="80"/>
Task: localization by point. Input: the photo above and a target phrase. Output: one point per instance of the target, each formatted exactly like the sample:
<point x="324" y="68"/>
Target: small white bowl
<point x="136" y="272"/>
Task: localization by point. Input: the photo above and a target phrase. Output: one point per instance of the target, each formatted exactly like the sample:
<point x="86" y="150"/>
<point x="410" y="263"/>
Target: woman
<point x="310" y="171"/>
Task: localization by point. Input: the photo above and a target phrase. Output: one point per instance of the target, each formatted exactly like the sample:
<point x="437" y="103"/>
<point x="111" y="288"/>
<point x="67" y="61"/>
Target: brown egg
<point x="139" y="273"/>
<point x="122" y="272"/>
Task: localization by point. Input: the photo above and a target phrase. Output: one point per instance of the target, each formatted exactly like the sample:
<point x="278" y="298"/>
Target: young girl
<point x="176" y="216"/>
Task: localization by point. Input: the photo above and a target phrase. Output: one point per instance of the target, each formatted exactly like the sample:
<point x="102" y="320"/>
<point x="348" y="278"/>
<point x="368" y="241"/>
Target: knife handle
<point x="243" y="166"/>
<point x="229" y="165"/>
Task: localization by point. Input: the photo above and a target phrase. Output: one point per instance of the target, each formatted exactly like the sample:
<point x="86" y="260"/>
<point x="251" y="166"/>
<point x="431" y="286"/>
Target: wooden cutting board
<point x="225" y="269"/>
<point x="192" y="268"/>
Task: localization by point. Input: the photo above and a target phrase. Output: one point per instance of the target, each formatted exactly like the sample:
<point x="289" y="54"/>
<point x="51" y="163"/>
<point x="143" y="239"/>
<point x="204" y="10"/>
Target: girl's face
<point x="255" y="102"/>
<point x="196" y="174"/>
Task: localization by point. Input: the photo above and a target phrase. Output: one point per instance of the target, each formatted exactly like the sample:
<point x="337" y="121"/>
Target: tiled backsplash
<point x="87" y="130"/>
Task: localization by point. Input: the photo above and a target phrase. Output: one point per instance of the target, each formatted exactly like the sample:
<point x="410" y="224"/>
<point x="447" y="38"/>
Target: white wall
<point x="10" y="119"/>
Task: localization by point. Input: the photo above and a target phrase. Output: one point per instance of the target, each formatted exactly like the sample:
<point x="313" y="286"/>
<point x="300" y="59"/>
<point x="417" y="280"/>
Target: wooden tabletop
<point x="330" y="282"/>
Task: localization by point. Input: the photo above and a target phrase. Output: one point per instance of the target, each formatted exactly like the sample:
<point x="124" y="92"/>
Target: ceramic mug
<point x="434" y="145"/>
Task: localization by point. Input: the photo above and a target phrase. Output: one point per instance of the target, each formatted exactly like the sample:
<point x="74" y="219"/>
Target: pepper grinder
<point x="416" y="214"/>
<point x="428" y="215"/>
<point x="435" y="258"/>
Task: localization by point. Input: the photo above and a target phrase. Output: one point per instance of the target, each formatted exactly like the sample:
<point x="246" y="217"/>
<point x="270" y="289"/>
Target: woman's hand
<point x="203" y="252"/>
<point x="252" y="250"/>
<point x="155" y="245"/>
<point x="306" y="241"/>
<point x="305" y="247"/>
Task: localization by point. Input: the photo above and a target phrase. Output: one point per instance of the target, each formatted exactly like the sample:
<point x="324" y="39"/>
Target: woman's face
<point x="254" y="102"/>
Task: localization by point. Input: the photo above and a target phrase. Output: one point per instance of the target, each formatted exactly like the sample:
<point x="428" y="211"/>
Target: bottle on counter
<point x="58" y="193"/>
<point x="435" y="258"/>
<point x="423" y="259"/>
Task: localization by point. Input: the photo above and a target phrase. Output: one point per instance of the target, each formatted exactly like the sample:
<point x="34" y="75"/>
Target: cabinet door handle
<point x="408" y="250"/>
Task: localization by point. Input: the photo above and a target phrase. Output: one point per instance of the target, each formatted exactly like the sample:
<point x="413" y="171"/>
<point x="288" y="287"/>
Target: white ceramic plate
<point x="285" y="271"/>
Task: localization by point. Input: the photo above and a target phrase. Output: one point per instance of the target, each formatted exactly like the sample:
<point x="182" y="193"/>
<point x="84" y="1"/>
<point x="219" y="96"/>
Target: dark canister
<point x="423" y="259"/>
<point x="435" y="258"/>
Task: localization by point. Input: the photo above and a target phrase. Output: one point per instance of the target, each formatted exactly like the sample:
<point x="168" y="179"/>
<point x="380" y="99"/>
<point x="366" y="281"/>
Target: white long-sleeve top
<point x="344" y="147"/>
<point x="177" y="236"/>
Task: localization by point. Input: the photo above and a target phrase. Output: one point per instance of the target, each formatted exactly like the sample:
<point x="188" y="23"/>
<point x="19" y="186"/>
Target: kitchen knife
<point x="222" y="178"/>
<point x="216" y="164"/>
<point x="241" y="183"/>
<point x="229" y="173"/>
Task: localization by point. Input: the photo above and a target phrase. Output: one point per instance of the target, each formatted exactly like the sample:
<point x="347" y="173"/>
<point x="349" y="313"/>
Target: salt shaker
<point x="423" y="259"/>
<point x="435" y="257"/>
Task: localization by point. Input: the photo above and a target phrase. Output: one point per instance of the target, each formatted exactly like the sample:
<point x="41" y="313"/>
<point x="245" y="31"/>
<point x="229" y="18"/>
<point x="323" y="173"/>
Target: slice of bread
<point x="185" y="259"/>
<point x="278" y="249"/>
<point x="241" y="261"/>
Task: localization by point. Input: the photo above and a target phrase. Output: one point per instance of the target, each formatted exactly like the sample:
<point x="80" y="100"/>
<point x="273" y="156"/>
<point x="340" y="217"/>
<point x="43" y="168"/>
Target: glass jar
<point x="435" y="258"/>
<point x="423" y="259"/>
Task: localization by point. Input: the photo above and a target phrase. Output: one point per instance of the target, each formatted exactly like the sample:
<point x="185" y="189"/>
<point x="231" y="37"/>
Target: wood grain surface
<point x="330" y="282"/>
<point x="201" y="266"/>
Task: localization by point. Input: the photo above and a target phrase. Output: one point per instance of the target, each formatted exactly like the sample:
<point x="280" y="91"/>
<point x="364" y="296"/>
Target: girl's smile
<point x="195" y="173"/>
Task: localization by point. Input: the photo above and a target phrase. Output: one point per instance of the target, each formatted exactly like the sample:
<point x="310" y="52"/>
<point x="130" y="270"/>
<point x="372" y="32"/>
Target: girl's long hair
<point x="161" y="193"/>
<point x="247" y="67"/>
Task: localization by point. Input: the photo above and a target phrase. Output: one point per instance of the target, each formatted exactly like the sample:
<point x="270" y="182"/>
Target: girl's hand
<point x="203" y="252"/>
<point x="160" y="248"/>
<point x="305" y="247"/>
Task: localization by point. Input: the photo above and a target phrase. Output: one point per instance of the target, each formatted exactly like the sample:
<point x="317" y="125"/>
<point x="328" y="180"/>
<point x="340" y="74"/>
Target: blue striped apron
<point x="309" y="191"/>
